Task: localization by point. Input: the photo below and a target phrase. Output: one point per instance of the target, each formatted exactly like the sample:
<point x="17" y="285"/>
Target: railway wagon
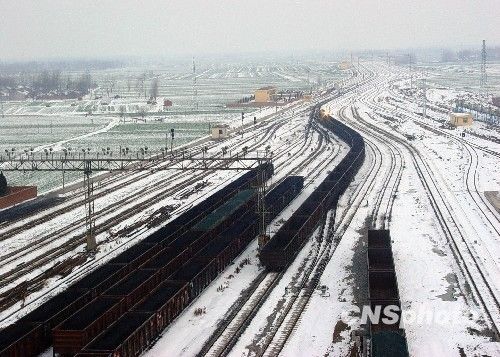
<point x="285" y="245"/>
<point x="222" y="251"/>
<point x="383" y="285"/>
<point x="101" y="279"/>
<point x="380" y="259"/>
<point x="300" y="225"/>
<point x="134" y="286"/>
<point x="390" y="320"/>
<point x="221" y="218"/>
<point x="185" y="221"/>
<point x="214" y="223"/>
<point x="168" y="261"/>
<point x="33" y="332"/>
<point x="35" y="329"/>
<point x="136" y="255"/>
<point x="379" y="238"/>
<point x="192" y="241"/>
<point x="387" y="338"/>
<point x="244" y="229"/>
<point x="22" y="339"/>
<point x="74" y="333"/>
<point x="129" y="336"/>
<point x="198" y="274"/>
<point x="281" y="196"/>
<point x="228" y="245"/>
<point x="166" y="302"/>
<point x="389" y="343"/>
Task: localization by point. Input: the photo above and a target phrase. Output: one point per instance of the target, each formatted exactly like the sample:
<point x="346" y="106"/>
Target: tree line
<point x="48" y="81"/>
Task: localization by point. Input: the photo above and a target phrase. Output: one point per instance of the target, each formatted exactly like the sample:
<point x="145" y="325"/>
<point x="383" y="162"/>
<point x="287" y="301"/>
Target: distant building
<point x="344" y="65"/>
<point x="220" y="131"/>
<point x="17" y="194"/>
<point x="323" y="113"/>
<point x="265" y="95"/>
<point x="496" y="101"/>
<point x="17" y="95"/>
<point x="461" y="119"/>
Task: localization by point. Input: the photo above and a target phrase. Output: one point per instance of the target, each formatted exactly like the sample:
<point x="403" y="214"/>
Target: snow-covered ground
<point x="431" y="282"/>
<point x="431" y="278"/>
<point x="288" y="137"/>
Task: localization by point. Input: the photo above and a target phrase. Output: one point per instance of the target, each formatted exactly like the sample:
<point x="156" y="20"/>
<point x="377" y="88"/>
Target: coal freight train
<point x="123" y="306"/>
<point x="387" y="338"/>
<point x="286" y="243"/>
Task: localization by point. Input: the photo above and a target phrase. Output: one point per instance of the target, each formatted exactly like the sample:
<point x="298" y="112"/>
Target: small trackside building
<point x="17" y="194"/>
<point x="265" y="94"/>
<point x="220" y="131"/>
<point x="461" y="119"/>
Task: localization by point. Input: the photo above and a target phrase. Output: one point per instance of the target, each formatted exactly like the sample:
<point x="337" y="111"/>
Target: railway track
<point x="483" y="293"/>
<point x="272" y="343"/>
<point x="227" y="334"/>
<point x="21" y="224"/>
<point x="287" y="324"/>
<point x="60" y="251"/>
<point x="71" y="244"/>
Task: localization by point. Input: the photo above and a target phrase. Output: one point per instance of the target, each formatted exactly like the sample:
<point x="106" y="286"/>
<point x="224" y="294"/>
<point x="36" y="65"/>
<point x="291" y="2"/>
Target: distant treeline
<point x="492" y="54"/>
<point x="46" y="82"/>
<point x="50" y="79"/>
<point x="70" y="65"/>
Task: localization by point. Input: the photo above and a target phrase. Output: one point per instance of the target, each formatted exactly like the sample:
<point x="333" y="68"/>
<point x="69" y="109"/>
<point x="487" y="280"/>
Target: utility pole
<point x="263" y="237"/>
<point x="172" y="131"/>
<point x="483" y="70"/>
<point x="88" y="186"/>
<point x="91" y="164"/>
<point x="242" y="117"/>
<point x="411" y="74"/>
<point x="195" y="88"/>
<point x="424" y="99"/>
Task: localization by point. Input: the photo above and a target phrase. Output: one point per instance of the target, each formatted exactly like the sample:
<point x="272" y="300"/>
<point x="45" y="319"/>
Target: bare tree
<point x="129" y="84"/>
<point x="139" y="84"/>
<point x="154" y="88"/>
<point x="142" y="111"/>
<point x="123" y="110"/>
<point x="3" y="185"/>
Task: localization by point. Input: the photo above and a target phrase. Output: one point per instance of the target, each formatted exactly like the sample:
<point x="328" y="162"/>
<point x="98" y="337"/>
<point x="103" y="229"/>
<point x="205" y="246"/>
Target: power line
<point x="483" y="69"/>
<point x="195" y="87"/>
<point x="89" y="164"/>
<point x="424" y="96"/>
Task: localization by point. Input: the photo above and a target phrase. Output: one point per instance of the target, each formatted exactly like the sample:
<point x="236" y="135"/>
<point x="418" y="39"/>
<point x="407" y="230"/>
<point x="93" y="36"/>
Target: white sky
<point x="31" y="29"/>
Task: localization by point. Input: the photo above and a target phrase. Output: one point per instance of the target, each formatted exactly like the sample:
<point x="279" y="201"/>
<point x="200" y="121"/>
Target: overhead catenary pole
<point x="261" y="206"/>
<point x="410" y="70"/>
<point x="179" y="160"/>
<point x="89" y="207"/>
<point x="483" y="81"/>
<point x="195" y="88"/>
<point x="424" y="96"/>
<point x="172" y="134"/>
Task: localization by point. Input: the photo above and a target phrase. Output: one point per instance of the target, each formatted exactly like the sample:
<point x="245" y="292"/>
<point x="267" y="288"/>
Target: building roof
<point x="267" y="88"/>
<point x="461" y="115"/>
<point x="220" y="126"/>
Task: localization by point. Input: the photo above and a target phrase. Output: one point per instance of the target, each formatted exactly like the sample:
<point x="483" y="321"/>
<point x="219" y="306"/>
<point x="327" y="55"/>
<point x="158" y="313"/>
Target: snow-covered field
<point x="430" y="280"/>
<point x="438" y="197"/>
